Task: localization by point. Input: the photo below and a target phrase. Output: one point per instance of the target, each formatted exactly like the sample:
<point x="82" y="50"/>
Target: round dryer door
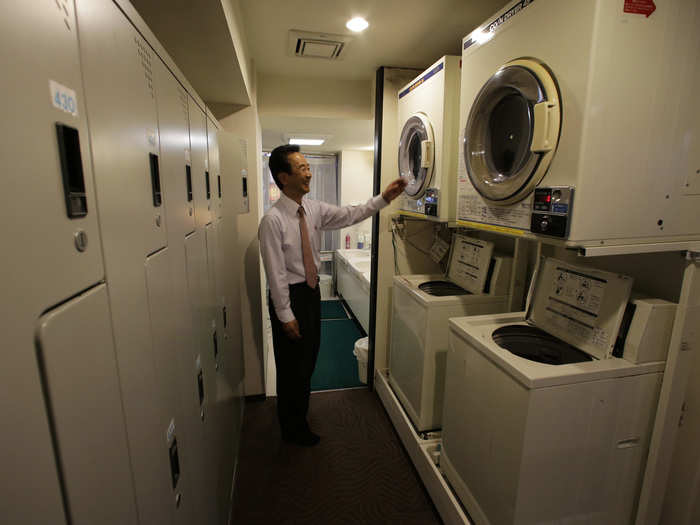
<point x="512" y="131"/>
<point x="416" y="155"/>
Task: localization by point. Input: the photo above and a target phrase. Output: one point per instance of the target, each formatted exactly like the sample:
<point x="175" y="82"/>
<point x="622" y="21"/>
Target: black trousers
<point x="295" y="360"/>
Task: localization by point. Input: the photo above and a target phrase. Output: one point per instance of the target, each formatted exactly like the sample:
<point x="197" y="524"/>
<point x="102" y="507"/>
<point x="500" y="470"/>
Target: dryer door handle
<point x="544" y="136"/>
<point x="426" y="153"/>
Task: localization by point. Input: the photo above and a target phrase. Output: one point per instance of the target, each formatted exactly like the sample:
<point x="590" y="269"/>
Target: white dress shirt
<point x="280" y="241"/>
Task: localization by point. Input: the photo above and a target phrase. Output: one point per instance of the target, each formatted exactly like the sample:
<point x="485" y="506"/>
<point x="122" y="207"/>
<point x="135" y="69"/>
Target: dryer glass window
<point x="416" y="155"/>
<point x="500" y="156"/>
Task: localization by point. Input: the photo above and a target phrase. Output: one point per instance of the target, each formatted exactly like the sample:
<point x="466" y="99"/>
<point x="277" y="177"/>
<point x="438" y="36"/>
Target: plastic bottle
<point x="360" y="241"/>
<point x="347" y="241"/>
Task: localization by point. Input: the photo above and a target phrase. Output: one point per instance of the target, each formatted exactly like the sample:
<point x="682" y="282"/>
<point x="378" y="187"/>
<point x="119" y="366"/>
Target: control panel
<point x="551" y="210"/>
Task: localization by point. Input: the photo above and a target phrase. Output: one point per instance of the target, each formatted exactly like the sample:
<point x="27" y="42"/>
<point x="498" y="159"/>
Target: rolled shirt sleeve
<point x="270" y="237"/>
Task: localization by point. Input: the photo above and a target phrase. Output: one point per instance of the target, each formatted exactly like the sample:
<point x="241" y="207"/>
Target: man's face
<point x="299" y="179"/>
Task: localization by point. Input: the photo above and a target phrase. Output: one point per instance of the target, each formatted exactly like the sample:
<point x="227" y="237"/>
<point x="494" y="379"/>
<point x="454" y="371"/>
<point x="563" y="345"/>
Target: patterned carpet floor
<point x="359" y="474"/>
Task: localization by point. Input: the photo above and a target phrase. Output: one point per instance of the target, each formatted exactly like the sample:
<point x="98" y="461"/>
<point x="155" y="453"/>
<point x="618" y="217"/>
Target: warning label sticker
<point x="640" y="7"/>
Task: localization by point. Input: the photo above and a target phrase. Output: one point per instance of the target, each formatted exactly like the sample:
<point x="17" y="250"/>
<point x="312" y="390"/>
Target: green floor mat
<point x="333" y="310"/>
<point x="336" y="366"/>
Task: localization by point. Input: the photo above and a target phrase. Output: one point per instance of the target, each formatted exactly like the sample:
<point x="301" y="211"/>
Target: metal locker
<point x="204" y="361"/>
<point x="118" y="75"/>
<point x="79" y="373"/>
<point x="197" y="505"/>
<point x="175" y="157"/>
<point x="201" y="174"/>
<point x="50" y="234"/>
<point x="118" y="78"/>
<point x="163" y="311"/>
<point x="215" y="167"/>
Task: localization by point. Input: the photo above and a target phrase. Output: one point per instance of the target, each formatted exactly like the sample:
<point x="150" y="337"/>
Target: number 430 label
<point x="63" y="98"/>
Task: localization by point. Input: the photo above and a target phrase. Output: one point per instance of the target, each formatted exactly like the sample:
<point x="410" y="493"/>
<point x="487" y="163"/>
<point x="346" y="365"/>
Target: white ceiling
<point x="402" y="33"/>
<point x="340" y="134"/>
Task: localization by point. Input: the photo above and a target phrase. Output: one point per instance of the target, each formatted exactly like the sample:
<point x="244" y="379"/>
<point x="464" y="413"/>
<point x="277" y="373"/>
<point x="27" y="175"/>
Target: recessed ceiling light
<point x="357" y="24"/>
<point x="306" y="142"/>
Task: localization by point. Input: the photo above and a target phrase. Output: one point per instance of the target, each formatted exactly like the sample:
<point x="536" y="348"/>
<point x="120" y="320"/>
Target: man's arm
<point x="334" y="217"/>
<point x="273" y="259"/>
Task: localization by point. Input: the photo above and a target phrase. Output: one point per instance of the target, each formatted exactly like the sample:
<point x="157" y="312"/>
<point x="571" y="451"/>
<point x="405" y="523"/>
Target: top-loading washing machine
<point x="579" y="121"/>
<point x="541" y="423"/>
<point x="477" y="282"/>
<point x="428" y="119"/>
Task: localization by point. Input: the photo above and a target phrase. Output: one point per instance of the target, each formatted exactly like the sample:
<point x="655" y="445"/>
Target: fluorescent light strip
<point x="307" y="142"/>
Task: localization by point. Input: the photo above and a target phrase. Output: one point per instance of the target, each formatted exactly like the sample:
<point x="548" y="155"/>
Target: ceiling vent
<point x="317" y="45"/>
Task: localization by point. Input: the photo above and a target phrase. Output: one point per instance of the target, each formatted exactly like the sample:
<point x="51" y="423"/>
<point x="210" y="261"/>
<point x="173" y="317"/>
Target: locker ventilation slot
<point x="72" y="171"/>
<point x="188" y="174"/>
<point x="155" y="180"/>
<point x="206" y="180"/>
<point x="218" y="182"/>
<point x="174" y="463"/>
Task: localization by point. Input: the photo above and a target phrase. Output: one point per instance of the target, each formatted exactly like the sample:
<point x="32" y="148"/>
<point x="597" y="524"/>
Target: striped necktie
<point x="310" y="270"/>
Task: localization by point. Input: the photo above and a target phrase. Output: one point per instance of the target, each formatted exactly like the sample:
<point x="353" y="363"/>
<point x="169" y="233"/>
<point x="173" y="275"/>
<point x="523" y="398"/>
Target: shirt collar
<point x="288" y="205"/>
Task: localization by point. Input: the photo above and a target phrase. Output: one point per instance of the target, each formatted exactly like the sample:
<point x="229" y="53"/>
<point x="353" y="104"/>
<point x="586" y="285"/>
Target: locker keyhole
<point x="155" y="180"/>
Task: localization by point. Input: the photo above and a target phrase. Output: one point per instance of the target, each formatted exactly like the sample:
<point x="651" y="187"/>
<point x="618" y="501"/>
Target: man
<point x="290" y="239"/>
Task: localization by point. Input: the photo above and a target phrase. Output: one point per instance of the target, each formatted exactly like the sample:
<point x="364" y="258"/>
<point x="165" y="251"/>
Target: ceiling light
<point x="357" y="24"/>
<point x="306" y="142"/>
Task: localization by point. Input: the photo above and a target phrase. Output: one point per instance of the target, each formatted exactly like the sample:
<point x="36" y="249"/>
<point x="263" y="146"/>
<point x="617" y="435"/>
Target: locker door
<point x="214" y="295"/>
<point x="118" y="76"/>
<point x="215" y="167"/>
<point x="245" y="204"/>
<point x="204" y="361"/>
<point x="175" y="158"/>
<point x="51" y="241"/>
<point x="79" y="373"/>
<point x="201" y="175"/>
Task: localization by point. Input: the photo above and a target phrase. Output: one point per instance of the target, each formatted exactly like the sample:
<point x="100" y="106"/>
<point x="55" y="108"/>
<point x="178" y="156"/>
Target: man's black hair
<point x="279" y="162"/>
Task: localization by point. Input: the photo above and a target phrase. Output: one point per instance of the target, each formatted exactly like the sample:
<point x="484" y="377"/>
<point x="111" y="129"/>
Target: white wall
<point x="356" y="171"/>
<point x="318" y="97"/>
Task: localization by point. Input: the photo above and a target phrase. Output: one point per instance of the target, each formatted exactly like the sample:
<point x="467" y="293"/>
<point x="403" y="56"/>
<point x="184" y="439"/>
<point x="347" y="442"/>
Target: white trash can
<point x="361" y="351"/>
<point x="326" y="286"/>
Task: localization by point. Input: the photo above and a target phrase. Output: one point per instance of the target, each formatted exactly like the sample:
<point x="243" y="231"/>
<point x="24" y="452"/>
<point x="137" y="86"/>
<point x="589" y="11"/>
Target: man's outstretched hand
<point x="291" y="330"/>
<point x="394" y="189"/>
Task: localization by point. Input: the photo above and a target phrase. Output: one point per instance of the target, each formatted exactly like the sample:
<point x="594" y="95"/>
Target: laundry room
<point x="351" y="262"/>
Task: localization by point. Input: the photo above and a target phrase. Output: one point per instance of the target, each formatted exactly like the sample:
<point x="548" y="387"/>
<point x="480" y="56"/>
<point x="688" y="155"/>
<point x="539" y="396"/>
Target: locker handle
<point x="155" y="180"/>
<point x="188" y="175"/>
<point x="206" y="180"/>
<point x="216" y="345"/>
<point x="218" y="182"/>
<point x="72" y="171"/>
<point x="245" y="186"/>
<point x="174" y="463"/>
<point x="224" y="312"/>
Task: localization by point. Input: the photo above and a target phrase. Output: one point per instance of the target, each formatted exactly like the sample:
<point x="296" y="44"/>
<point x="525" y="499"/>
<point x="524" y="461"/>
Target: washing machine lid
<point x="416" y="154"/>
<point x="581" y="306"/>
<point x="470" y="260"/>
<point x="512" y="131"/>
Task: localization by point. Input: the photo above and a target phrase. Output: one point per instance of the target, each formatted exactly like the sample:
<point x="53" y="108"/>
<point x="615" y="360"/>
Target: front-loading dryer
<point x="476" y="283"/>
<point x="579" y="121"/>
<point x="428" y="117"/>
<point x="541" y="424"/>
